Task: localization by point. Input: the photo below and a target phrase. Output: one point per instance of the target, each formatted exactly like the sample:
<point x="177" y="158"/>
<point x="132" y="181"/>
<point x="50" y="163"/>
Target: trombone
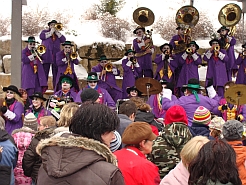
<point x="40" y="50"/>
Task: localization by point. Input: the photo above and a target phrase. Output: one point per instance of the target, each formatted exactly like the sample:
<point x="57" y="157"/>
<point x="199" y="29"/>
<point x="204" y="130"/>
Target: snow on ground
<point x="6" y="56"/>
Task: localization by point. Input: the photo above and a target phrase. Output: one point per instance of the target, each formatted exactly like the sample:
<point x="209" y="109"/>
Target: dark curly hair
<point x="216" y="161"/>
<point x="92" y="120"/>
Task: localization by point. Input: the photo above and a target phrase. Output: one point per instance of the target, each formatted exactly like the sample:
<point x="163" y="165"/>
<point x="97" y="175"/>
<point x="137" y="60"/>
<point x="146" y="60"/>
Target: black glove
<point x="131" y="59"/>
<point x="238" y="118"/>
<point x="166" y="57"/>
<point x="181" y="42"/>
<point x="4" y="109"/>
<point x="210" y="82"/>
<point x="224" y="107"/>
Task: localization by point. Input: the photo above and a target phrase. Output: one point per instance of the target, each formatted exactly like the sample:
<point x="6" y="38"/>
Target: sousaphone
<point x="143" y="16"/>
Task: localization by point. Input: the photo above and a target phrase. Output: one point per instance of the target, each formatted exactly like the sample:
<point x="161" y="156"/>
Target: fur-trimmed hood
<point x="46" y="133"/>
<point x="23" y="129"/>
<point x="63" y="156"/>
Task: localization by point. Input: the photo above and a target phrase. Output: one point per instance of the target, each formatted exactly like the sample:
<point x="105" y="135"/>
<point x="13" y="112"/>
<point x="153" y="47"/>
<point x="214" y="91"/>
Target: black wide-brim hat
<point x="139" y="28"/>
<point x="53" y="21"/>
<point x="244" y="45"/>
<point x="129" y="89"/>
<point x="193" y="83"/>
<point x="66" y="76"/>
<point x="213" y="40"/>
<point x="129" y="51"/>
<point x="164" y="81"/>
<point x="166" y="44"/>
<point x="223" y="27"/>
<point x="178" y="28"/>
<point x="193" y="42"/>
<point x="37" y="95"/>
<point x="67" y="43"/>
<point x="31" y="39"/>
<point x="12" y="88"/>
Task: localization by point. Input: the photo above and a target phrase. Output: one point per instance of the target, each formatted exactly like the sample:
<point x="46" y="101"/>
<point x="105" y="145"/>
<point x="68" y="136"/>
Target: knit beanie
<point x="116" y="143"/>
<point x="232" y="130"/>
<point x="202" y="116"/>
<point x="174" y="114"/>
<point x="31" y="121"/>
<point x="89" y="94"/>
<point x="217" y="123"/>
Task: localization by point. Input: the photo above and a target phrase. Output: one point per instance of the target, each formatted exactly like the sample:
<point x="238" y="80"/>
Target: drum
<point x="118" y="104"/>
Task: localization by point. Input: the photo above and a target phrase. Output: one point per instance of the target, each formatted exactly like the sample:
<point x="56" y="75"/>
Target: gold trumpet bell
<point x="143" y="16"/>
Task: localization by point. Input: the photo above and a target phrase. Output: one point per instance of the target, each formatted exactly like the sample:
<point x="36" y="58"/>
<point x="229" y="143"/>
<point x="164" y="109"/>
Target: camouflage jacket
<point x="168" y="145"/>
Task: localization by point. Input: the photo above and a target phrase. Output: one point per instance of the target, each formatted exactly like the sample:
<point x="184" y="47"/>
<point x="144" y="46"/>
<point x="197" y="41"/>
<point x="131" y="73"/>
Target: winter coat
<point x="200" y="130"/>
<point x="240" y="159"/>
<point x="135" y="168"/>
<point x="77" y="160"/>
<point x="177" y="176"/>
<point x="124" y="122"/>
<point x="31" y="161"/>
<point x="61" y="130"/>
<point x="22" y="137"/>
<point x="9" y="159"/>
<point x="167" y="147"/>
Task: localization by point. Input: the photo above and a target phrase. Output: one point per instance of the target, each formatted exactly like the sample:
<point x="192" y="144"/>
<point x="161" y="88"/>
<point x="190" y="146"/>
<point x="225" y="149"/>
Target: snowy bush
<point x="4" y="25"/>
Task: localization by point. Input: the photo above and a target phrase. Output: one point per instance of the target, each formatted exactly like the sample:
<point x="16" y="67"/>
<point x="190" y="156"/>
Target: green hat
<point x="103" y="57"/>
<point x="66" y="78"/>
<point x="53" y="21"/>
<point x="67" y="43"/>
<point x="129" y="51"/>
<point x="92" y="76"/>
<point x="193" y="42"/>
<point x="31" y="39"/>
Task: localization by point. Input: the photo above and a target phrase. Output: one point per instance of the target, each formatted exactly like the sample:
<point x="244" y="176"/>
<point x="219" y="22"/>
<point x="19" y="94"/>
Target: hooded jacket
<point x="167" y="147"/>
<point x="77" y="160"/>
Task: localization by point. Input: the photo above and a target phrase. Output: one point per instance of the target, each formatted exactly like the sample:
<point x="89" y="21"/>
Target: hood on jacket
<point x="42" y="134"/>
<point x="176" y="134"/>
<point x="4" y="135"/>
<point x="200" y="130"/>
<point x="64" y="156"/>
<point x="23" y="129"/>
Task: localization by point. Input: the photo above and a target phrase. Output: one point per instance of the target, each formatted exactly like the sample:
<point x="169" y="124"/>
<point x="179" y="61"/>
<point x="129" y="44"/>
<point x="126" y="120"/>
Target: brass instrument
<point x="229" y="15"/>
<point x="108" y="67"/>
<point x="68" y="69"/>
<point x="186" y="17"/>
<point x="73" y="54"/>
<point x="144" y="17"/>
<point x="58" y="26"/>
<point x="40" y="50"/>
<point x="217" y="48"/>
<point x="189" y="50"/>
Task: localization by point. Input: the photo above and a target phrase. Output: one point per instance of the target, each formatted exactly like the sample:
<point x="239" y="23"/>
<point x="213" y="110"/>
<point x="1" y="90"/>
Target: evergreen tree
<point x="110" y="6"/>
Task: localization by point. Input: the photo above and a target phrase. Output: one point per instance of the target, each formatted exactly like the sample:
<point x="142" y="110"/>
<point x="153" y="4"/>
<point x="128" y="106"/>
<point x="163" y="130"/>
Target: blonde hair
<point x="47" y="121"/>
<point x="67" y="112"/>
<point x="16" y="96"/>
<point x="191" y="149"/>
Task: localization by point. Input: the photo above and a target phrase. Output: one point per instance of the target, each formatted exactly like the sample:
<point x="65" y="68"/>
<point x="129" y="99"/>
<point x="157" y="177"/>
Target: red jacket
<point x="136" y="169"/>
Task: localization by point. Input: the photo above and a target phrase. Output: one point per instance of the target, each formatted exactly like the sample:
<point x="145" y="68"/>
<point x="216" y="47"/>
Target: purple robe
<point x="190" y="104"/>
<point x="15" y="123"/>
<point x="109" y="83"/>
<point x="241" y="75"/>
<point x="171" y="63"/>
<point x="131" y="73"/>
<point x="189" y="68"/>
<point x="106" y="98"/>
<point x="32" y="82"/>
<point x="175" y="38"/>
<point x="62" y="64"/>
<point x="144" y="61"/>
<point x="70" y="93"/>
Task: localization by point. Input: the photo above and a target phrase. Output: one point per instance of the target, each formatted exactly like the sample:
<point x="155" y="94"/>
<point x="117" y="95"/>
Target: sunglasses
<point x="92" y="82"/>
<point x="139" y="32"/>
<point x="35" y="98"/>
<point x="103" y="62"/>
<point x="9" y="92"/>
<point x="68" y="47"/>
<point x="166" y="48"/>
<point x="215" y="43"/>
<point x="32" y="44"/>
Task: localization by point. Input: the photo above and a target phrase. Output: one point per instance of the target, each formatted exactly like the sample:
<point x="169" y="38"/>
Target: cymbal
<point x="236" y="94"/>
<point x="143" y="83"/>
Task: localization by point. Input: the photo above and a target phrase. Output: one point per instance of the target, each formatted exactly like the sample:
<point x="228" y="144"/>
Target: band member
<point x="227" y="43"/>
<point x="66" y="85"/>
<point x="189" y="62"/>
<point x="13" y="109"/>
<point x="107" y="72"/>
<point x="166" y="64"/>
<point x="65" y="61"/>
<point x="104" y="96"/>
<point x="33" y="77"/>
<point x="241" y="61"/>
<point x="178" y="39"/>
<point x="144" y="49"/>
<point x="133" y="92"/>
<point x="131" y="71"/>
<point x="51" y="39"/>
<point x="217" y="59"/>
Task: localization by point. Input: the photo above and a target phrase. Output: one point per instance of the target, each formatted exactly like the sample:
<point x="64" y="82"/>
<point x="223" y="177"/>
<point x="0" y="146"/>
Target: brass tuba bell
<point x="143" y="16"/>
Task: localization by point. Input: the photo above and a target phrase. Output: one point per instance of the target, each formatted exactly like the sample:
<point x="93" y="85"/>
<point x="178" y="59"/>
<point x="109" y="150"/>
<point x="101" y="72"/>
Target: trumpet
<point x="133" y="60"/>
<point x="166" y="52"/>
<point x="58" y="26"/>
<point x="73" y="54"/>
<point x="108" y="67"/>
<point x="189" y="50"/>
<point x="216" y="48"/>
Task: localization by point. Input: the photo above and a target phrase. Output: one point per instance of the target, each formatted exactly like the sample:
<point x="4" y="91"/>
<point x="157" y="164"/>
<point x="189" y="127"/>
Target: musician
<point x="107" y="77"/>
<point x="133" y="92"/>
<point x="33" y="76"/>
<point x="66" y="85"/>
<point x="227" y="43"/>
<point x="37" y="107"/>
<point x="104" y="96"/>
<point x="65" y="65"/>
<point x="144" y="49"/>
<point x="131" y="71"/>
<point x="189" y="62"/>
<point x="51" y="39"/>
<point x="217" y="60"/>
<point x="166" y="64"/>
<point x="241" y="61"/>
<point x="178" y="39"/>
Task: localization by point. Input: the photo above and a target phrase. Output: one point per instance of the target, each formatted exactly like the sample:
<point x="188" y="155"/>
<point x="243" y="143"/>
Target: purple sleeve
<point x="158" y="59"/>
<point x="205" y="58"/>
<point x="181" y="61"/>
<point x="78" y="99"/>
<point x="75" y="61"/>
<point x="62" y="39"/>
<point x="124" y="66"/>
<point x="226" y="58"/>
<point x="199" y="60"/>
<point x="108" y="100"/>
<point x="135" y="46"/>
<point x="174" y="38"/>
<point x="233" y="41"/>
<point x="96" y="69"/>
<point x="24" y="57"/>
<point x="243" y="112"/>
<point x="42" y="35"/>
<point x="239" y="60"/>
<point x="18" y="110"/>
<point x="166" y="103"/>
<point x="59" y="57"/>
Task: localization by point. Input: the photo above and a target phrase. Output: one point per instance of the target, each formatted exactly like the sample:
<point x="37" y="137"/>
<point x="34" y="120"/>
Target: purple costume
<point x="32" y="82"/>
<point x="108" y="82"/>
<point x="52" y="47"/>
<point x="131" y="73"/>
<point x="217" y="69"/>
<point x="144" y="61"/>
<point x="189" y="68"/>
<point x="13" y="117"/>
<point x="190" y="104"/>
<point x="62" y="64"/>
<point x="104" y="97"/>
<point x="241" y="75"/>
<point x="70" y="93"/>
<point x="165" y="68"/>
